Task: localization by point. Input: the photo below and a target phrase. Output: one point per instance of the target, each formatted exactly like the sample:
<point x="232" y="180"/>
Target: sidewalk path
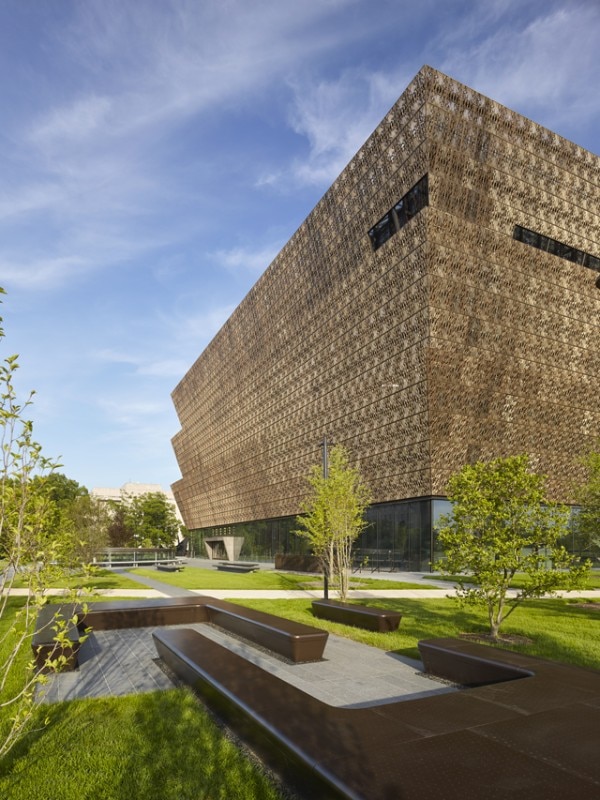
<point x="154" y="587"/>
<point x="363" y="594"/>
<point x="165" y="589"/>
<point x="133" y="593"/>
<point x="158" y="589"/>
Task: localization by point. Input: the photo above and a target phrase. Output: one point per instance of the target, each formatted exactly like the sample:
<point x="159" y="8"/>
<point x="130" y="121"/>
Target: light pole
<point x="325" y="476"/>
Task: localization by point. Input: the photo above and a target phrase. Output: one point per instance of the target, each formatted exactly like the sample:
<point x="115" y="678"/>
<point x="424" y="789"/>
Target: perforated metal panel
<point x="451" y="342"/>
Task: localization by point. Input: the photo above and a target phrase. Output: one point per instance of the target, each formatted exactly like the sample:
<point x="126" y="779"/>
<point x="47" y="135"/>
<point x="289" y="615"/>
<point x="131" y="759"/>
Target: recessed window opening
<point x="556" y="248"/>
<point x="403" y="211"/>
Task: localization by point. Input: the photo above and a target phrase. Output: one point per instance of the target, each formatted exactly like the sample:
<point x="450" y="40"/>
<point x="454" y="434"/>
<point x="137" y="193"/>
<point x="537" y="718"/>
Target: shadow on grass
<point x="25" y="750"/>
<point x="295" y="582"/>
<point x="173" y="738"/>
<point x="157" y="746"/>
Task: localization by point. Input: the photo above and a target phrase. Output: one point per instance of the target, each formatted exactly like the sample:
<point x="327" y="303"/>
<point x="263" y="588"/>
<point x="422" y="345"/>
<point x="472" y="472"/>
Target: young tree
<point x="587" y="520"/>
<point x="333" y="515"/>
<point x="501" y="524"/>
<point x="152" y="520"/>
<point x="31" y="550"/>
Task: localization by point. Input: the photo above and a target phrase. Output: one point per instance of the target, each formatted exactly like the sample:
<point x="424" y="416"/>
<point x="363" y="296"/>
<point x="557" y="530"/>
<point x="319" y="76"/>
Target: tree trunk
<point x="495" y="614"/>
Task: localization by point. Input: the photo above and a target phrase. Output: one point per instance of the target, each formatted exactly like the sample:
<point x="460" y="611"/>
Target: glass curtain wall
<point x="399" y="537"/>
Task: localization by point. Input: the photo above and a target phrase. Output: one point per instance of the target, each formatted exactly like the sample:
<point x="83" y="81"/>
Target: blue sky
<point x="156" y="155"/>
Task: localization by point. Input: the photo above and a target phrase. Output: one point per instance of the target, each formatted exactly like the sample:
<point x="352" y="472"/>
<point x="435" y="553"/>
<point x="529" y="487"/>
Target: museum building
<point x="440" y="305"/>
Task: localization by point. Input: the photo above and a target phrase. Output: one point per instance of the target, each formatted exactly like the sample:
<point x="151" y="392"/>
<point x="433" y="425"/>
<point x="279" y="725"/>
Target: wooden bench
<point x="237" y="566"/>
<point x="534" y="737"/>
<point x="169" y="567"/>
<point x="368" y="617"/>
<point x="293" y="640"/>
<point x="46" y="649"/>
<point x="461" y="662"/>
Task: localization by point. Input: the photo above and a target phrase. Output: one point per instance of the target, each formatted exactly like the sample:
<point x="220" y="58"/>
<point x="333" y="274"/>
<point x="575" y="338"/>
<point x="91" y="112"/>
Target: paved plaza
<point x="120" y="662"/>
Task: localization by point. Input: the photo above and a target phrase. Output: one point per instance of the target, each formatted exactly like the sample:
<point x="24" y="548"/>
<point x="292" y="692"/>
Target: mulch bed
<point x="505" y="638"/>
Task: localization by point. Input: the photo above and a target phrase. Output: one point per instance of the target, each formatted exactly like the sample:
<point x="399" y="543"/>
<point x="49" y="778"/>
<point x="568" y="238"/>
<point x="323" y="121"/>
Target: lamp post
<point x="325" y="476"/>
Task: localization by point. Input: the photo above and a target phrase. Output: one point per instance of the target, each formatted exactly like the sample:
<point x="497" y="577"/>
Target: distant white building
<point x="130" y="490"/>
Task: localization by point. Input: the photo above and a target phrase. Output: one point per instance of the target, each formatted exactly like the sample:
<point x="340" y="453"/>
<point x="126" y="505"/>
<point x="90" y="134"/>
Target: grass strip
<point x="99" y="579"/>
<point x="199" y="578"/>
<point x="518" y="582"/>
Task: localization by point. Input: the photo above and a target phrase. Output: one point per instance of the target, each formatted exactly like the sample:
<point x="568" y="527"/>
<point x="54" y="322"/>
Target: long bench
<point x="293" y="640"/>
<point x="238" y="566"/>
<point x="381" y="620"/>
<point x="457" y="661"/>
<point x="534" y="735"/>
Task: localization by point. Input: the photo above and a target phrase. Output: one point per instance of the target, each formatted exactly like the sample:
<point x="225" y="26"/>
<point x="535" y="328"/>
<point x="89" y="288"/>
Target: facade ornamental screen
<point x="438" y="306"/>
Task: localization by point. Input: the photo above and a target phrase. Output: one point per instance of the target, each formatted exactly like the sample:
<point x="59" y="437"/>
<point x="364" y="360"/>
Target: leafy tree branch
<point x="503" y="524"/>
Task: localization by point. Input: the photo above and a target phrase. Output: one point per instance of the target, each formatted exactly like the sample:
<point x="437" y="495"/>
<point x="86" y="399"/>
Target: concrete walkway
<point x="432" y="588"/>
<point x="121" y="662"/>
<point x="164" y="589"/>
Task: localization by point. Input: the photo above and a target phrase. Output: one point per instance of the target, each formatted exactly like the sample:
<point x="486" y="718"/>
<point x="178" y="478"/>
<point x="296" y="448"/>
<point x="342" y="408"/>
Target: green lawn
<point x="100" y="579"/>
<point x="198" y="578"/>
<point x="559" y="630"/>
<point x="593" y="581"/>
<point x="158" y="746"/>
<point x="164" y="746"/>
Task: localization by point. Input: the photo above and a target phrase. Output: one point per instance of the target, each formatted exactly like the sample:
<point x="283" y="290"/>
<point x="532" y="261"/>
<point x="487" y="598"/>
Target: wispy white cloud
<point x="140" y="420"/>
<point x="194" y="330"/>
<point x="547" y="67"/>
<point x="97" y="149"/>
<point x="82" y="119"/>
<point x="241" y="259"/>
<point x="173" y="368"/>
<point x="179" y="58"/>
<point x="30" y="198"/>
<point x="41" y="273"/>
<point x="131" y="411"/>
<point x="271" y="178"/>
<point x="112" y="356"/>
<point x="337" y="116"/>
<point x="147" y="362"/>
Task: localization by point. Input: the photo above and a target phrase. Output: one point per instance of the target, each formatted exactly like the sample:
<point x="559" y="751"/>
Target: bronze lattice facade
<point x="439" y="305"/>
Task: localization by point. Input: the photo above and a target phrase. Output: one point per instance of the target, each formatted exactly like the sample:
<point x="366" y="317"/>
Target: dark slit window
<point x="555" y="247"/>
<point x="397" y="217"/>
